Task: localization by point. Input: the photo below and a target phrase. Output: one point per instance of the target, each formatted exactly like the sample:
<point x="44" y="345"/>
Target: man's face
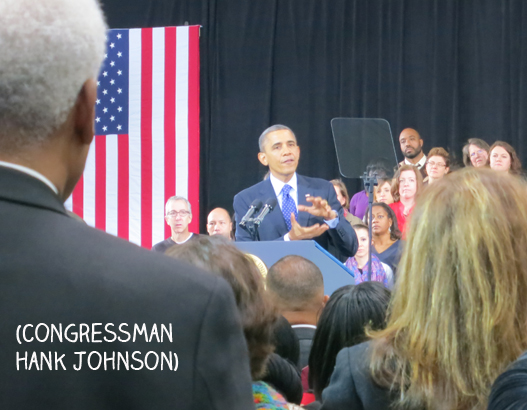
<point x="411" y="143"/>
<point x="281" y="154"/>
<point x="178" y="216"/>
<point x="219" y="223"/>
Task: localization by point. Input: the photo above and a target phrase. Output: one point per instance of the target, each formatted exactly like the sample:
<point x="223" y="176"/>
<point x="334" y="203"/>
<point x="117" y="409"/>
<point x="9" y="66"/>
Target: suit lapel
<point x="303" y="190"/>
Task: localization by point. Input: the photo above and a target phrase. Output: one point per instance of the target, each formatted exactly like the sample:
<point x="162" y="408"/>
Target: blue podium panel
<point x="335" y="273"/>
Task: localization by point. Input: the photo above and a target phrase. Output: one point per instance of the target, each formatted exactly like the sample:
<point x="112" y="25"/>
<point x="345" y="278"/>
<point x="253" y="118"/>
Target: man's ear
<point x="326" y="298"/>
<point x="85" y="111"/>
<point x="262" y="158"/>
<point x="447" y="170"/>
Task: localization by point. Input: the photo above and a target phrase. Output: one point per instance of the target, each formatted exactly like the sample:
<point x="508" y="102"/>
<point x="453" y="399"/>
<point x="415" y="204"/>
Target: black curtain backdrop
<point x="452" y="69"/>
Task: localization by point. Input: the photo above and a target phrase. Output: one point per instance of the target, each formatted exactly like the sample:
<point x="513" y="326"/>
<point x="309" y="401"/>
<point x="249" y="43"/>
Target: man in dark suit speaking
<point x="90" y="321"/>
<point x="308" y="207"/>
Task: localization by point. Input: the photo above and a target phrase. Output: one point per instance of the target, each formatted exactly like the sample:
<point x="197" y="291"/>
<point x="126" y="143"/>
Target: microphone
<point x="270" y="204"/>
<point x="255" y="206"/>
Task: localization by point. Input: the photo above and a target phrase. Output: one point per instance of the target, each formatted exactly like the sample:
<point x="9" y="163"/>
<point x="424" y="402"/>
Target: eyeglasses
<point x="478" y="152"/>
<point x="174" y="214"/>
<point x="436" y="164"/>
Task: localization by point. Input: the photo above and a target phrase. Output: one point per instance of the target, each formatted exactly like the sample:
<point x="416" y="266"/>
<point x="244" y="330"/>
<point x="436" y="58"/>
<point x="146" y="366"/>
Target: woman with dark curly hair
<point x="503" y="158"/>
<point x="387" y="244"/>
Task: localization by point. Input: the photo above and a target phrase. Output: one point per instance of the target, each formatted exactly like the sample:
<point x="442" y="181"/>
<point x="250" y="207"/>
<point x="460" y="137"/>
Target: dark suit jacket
<point x="341" y="241"/>
<point x="351" y="386"/>
<point x="305" y="338"/>
<point x="56" y="270"/>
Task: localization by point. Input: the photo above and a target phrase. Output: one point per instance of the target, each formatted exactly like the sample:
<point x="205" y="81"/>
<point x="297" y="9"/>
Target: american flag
<point x="146" y="147"/>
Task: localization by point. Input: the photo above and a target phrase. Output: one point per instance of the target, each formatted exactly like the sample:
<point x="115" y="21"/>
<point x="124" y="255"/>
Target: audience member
<point x="296" y="287"/>
<point x="383" y="191"/>
<point x="437" y="165"/>
<point x="178" y="215"/>
<point x="412" y="149"/>
<point x="387" y="243"/>
<point x="359" y="202"/>
<point x="458" y="316"/>
<point x="219" y="223"/>
<point x="285" y="341"/>
<point x="509" y="391"/>
<point x="258" y="316"/>
<point x="349" y="311"/>
<point x="282" y="368"/>
<point x="73" y="290"/>
<point x="476" y="153"/>
<point x="503" y="158"/>
<point x="358" y="264"/>
<point x="406" y="186"/>
<point x="307" y="207"/>
<point x="344" y="199"/>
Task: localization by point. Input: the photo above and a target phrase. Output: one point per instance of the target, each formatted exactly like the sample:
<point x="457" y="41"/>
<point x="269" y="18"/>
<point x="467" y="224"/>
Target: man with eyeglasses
<point x="412" y="149"/>
<point x="178" y="215"/>
<point x="219" y="223"/>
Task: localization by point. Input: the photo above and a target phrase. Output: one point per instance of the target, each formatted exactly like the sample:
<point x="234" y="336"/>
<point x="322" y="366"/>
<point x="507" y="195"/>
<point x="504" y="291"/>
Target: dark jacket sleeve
<point x="343" y="237"/>
<point x="223" y="379"/>
<point x="509" y="391"/>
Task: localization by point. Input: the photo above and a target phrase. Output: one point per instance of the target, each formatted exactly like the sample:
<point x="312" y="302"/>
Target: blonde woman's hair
<point x="459" y="312"/>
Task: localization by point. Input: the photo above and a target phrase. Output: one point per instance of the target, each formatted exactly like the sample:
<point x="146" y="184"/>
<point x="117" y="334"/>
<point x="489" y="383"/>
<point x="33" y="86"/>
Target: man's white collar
<point x="31" y="172"/>
<point x="419" y="165"/>
<point x="278" y="185"/>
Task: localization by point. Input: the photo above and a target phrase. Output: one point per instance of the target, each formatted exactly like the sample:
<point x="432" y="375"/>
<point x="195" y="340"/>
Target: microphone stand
<point x="369" y="183"/>
<point x="252" y="229"/>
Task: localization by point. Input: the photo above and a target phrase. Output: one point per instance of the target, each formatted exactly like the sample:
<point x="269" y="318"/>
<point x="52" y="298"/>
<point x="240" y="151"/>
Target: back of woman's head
<point x="219" y="256"/>
<point x="343" y="323"/>
<point x="459" y="313"/>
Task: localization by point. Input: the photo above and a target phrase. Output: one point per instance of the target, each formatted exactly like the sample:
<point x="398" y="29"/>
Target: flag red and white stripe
<point x="129" y="177"/>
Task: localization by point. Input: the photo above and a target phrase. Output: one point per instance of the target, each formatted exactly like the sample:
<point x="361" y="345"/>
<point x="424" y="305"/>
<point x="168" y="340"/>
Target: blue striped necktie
<point x="288" y="205"/>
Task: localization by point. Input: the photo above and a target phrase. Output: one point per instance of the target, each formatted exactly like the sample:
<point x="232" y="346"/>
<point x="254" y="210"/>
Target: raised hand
<point x="320" y="208"/>
<point x="298" y="232"/>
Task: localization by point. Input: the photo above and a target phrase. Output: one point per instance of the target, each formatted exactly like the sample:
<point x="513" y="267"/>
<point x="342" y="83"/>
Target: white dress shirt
<point x="419" y="165"/>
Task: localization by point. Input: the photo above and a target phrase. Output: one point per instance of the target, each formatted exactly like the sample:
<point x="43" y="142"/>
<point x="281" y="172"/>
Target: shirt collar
<point x="31" y="172"/>
<point x="278" y="185"/>
<point x="419" y="165"/>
